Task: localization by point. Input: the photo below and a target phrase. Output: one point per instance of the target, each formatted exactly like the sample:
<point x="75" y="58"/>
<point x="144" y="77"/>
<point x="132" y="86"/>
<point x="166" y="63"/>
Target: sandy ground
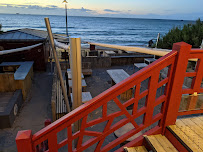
<point x="35" y="110"/>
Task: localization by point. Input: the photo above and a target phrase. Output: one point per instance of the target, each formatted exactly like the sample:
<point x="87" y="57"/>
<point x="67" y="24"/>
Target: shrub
<point x="190" y="33"/>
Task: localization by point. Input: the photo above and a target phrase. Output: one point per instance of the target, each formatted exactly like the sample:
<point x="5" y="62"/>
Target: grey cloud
<point x="112" y="11"/>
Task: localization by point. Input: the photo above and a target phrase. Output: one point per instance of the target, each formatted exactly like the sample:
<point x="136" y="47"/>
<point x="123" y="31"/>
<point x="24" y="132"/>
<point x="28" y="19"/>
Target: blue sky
<point x="168" y="9"/>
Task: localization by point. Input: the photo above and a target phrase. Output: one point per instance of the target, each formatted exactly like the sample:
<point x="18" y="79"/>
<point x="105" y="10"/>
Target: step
<point x="160" y="143"/>
<point x="135" y="149"/>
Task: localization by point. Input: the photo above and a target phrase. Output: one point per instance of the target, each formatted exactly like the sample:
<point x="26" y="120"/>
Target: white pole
<point x="158" y="36"/>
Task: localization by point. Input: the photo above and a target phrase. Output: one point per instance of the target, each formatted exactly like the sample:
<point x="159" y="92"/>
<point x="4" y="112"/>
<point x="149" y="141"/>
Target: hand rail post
<point x="24" y="141"/>
<point x="175" y="89"/>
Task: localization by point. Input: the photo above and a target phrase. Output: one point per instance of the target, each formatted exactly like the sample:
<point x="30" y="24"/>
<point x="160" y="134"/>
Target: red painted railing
<point x="155" y="107"/>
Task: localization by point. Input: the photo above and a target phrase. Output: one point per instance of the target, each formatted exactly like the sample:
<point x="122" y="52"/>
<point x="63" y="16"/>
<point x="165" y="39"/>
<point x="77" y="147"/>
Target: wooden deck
<point x="190" y="132"/>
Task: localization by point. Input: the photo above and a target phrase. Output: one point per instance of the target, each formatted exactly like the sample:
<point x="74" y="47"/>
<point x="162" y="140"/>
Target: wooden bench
<point x="16" y="75"/>
<point x="140" y="65"/>
<point x="118" y="75"/>
<point x="86" y="68"/>
<point x="61" y="109"/>
<point x="70" y="74"/>
<point x="84" y="85"/>
<point x="86" y="96"/>
<point x="109" y="53"/>
<point x="149" y="60"/>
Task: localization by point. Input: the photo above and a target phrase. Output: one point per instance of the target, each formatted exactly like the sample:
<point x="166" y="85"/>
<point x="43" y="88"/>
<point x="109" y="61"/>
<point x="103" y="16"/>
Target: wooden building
<point x="22" y="38"/>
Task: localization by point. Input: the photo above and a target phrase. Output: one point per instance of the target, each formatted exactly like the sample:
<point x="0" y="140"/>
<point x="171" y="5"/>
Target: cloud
<point x="111" y="11"/>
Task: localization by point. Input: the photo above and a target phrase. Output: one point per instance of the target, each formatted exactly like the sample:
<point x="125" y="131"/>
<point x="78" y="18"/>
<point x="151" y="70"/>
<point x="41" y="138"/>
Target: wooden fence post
<point x="175" y="89"/>
<point x="24" y="141"/>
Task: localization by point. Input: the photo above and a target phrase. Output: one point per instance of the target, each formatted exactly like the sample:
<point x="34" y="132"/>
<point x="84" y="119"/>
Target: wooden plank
<point x="166" y="144"/>
<point x="70" y="75"/>
<point x="118" y="75"/>
<point x="83" y="83"/>
<point x="156" y="145"/>
<point x="197" y="121"/>
<point x="135" y="149"/>
<point x="193" y="126"/>
<point x="140" y="65"/>
<point x="184" y="138"/>
<point x="190" y="133"/>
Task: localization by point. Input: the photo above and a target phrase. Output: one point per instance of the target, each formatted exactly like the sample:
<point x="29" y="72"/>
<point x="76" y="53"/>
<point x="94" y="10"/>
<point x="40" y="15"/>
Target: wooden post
<point x="192" y="101"/>
<point x="175" y="89"/>
<point x="92" y="47"/>
<point x="57" y="63"/>
<point x="24" y="141"/>
<point x="76" y="70"/>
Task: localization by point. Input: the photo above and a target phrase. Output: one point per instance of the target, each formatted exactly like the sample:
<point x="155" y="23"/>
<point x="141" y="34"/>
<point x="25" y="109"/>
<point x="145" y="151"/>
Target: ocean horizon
<point x="110" y="30"/>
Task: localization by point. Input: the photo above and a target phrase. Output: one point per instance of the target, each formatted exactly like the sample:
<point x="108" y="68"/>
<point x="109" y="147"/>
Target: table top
<point x="117" y="75"/>
<point x="71" y="84"/>
<point x="86" y="96"/>
<point x="140" y="65"/>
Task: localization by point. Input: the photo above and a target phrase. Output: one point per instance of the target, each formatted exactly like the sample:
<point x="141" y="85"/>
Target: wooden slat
<point x="193" y="126"/>
<point x="156" y="145"/>
<point x="135" y="149"/>
<point x="166" y="144"/>
<point x="191" y="134"/>
<point x="184" y="138"/>
<point x="197" y="121"/>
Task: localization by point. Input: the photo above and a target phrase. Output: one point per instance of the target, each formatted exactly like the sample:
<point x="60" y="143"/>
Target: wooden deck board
<point x="193" y="126"/>
<point x="156" y="144"/>
<point x="165" y="143"/>
<point x="190" y="131"/>
<point x="184" y="138"/>
<point x="197" y="121"/>
<point x="135" y="149"/>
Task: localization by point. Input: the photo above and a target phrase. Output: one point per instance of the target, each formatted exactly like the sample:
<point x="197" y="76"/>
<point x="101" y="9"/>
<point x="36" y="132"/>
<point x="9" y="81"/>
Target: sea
<point x="121" y="31"/>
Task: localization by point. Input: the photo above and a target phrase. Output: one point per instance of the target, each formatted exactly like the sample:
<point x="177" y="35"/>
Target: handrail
<point x="176" y="62"/>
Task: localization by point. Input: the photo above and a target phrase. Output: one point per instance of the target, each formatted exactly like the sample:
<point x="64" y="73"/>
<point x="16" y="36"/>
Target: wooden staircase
<point x="185" y="135"/>
<point x="156" y="143"/>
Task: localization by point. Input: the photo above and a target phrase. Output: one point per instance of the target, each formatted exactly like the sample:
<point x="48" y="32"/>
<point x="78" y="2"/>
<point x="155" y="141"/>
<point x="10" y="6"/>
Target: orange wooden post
<point x="192" y="101"/>
<point x="175" y="89"/>
<point x="24" y="141"/>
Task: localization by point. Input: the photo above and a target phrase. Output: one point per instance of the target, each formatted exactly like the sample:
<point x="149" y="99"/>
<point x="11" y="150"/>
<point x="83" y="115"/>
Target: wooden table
<point x="86" y="96"/>
<point x="118" y="75"/>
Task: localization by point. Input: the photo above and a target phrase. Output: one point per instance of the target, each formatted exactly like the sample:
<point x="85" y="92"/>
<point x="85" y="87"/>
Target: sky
<point x="159" y="9"/>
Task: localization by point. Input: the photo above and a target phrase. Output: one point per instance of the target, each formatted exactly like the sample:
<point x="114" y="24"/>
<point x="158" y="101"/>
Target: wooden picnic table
<point x="118" y="75"/>
<point x="86" y="96"/>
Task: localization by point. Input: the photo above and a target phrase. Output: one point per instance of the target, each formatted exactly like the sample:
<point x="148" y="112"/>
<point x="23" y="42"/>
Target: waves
<point x="104" y="30"/>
